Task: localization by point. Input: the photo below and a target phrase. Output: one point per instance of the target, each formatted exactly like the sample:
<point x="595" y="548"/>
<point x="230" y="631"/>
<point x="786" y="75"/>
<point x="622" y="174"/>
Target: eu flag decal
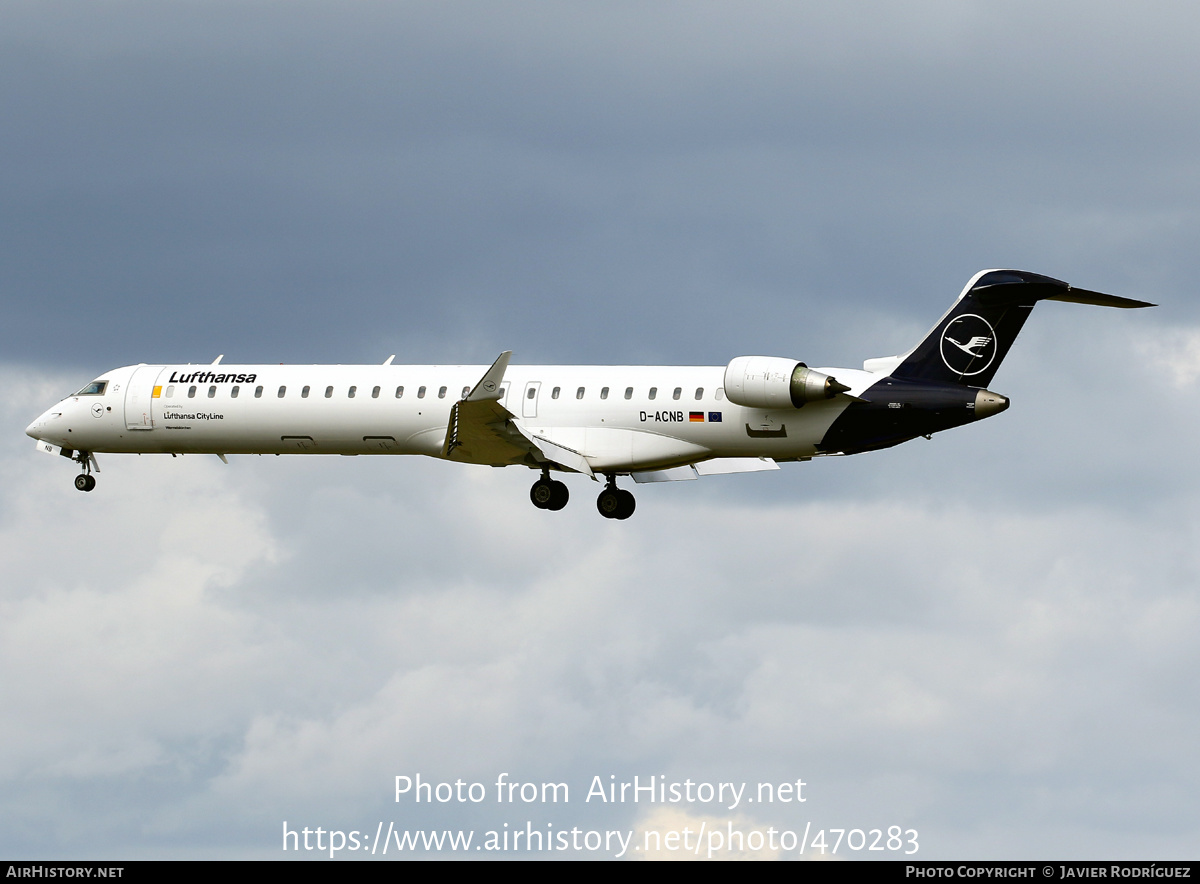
<point x="714" y="417"/>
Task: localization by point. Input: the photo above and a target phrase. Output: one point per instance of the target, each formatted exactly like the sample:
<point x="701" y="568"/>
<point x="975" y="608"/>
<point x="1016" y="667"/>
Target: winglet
<point x="489" y="385"/>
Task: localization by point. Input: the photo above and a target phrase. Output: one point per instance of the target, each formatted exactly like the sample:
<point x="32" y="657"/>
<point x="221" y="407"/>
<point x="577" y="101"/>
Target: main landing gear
<point x="549" y="494"/>
<point x="614" y="503"/>
<point x="85" y="481"/>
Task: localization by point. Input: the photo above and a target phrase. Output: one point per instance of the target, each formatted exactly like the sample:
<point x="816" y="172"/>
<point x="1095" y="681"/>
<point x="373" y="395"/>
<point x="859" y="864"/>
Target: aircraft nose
<point x="37" y="429"/>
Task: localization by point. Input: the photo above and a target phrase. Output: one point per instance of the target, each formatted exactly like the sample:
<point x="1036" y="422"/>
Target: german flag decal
<point x="696" y="416"/>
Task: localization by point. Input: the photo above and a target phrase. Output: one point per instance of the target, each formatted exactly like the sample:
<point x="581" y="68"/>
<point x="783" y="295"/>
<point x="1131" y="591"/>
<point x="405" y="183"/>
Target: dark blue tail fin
<point x="971" y="340"/>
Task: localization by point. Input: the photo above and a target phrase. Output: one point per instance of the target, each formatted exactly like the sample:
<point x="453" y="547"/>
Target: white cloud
<point x="284" y="636"/>
<point x="1176" y="352"/>
<point x="671" y="833"/>
<point x="989" y="637"/>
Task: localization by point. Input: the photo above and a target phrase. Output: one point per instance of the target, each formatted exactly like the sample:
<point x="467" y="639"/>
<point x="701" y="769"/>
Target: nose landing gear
<point x="85" y="481"/>
<point x="549" y="494"/>
<point x="613" y="503"/>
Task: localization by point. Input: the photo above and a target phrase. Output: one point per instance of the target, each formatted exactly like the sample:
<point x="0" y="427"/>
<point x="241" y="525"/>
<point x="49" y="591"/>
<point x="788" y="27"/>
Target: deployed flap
<point x="675" y="474"/>
<point x="714" y="467"/>
<point x="559" y="454"/>
<point x="719" y="465"/>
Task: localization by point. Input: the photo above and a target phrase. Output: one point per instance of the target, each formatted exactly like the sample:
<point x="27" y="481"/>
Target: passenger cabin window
<point x="653" y="392"/>
<point x="171" y="391"/>
<point x="329" y="392"/>
<point x="282" y="392"/>
<point x="720" y="394"/>
<point x="629" y="392"/>
<point x="212" y="392"/>
<point x="399" y="392"/>
<point x="604" y="392"/>
<point x="375" y="393"/>
<point x="699" y="393"/>
<point x="258" y="392"/>
<point x="95" y="388"/>
<point x="465" y="392"/>
<point x="528" y="395"/>
<point x="677" y="393"/>
<point x="420" y="392"/>
<point x="233" y="394"/>
<point x="579" y="393"/>
<point x="353" y="390"/>
<point x="554" y="393"/>
<point x="441" y="392"/>
<point x="191" y="392"/>
<point x="305" y="391"/>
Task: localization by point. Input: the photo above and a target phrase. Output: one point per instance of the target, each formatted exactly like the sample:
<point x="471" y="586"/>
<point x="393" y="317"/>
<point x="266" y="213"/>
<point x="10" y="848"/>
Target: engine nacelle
<point x="776" y="382"/>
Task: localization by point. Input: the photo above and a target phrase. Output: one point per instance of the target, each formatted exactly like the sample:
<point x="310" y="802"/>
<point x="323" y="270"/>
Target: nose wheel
<point x="85" y="481"/>
<point x="613" y="503"/>
<point x="549" y="494"/>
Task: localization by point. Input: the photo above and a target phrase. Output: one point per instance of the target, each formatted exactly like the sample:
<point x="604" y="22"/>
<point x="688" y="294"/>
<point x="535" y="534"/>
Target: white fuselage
<point x="621" y="418"/>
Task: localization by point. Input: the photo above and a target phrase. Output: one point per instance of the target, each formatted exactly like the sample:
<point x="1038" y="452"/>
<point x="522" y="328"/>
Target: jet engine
<point x="776" y="382"/>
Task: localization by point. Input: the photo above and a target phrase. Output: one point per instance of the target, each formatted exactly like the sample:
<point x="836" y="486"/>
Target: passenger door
<point x="140" y="399"/>
<point x="529" y="401"/>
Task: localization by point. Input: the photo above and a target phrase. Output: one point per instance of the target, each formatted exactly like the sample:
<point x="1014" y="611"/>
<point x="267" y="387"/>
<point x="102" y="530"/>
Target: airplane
<point x="650" y="423"/>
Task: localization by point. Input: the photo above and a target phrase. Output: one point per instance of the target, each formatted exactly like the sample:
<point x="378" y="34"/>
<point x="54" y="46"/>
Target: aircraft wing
<point x="481" y="430"/>
<point x="713" y="467"/>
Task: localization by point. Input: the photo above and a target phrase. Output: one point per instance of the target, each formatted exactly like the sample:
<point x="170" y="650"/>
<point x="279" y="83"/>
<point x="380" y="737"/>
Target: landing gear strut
<point x="85" y="481"/>
<point x="614" y="503"/>
<point x="549" y="494"/>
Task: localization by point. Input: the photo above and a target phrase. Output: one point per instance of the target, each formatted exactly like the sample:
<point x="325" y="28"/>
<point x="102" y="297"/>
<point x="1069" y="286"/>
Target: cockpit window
<point x="95" y="388"/>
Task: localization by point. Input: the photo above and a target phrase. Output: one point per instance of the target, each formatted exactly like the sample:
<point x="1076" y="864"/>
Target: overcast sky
<point x="989" y="638"/>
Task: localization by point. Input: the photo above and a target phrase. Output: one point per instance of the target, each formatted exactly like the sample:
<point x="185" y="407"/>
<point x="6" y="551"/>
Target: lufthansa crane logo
<point x="968" y="344"/>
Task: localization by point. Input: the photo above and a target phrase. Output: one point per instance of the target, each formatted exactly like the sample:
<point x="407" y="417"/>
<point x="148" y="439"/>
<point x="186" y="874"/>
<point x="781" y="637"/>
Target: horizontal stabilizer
<point x="1083" y="296"/>
<point x="1003" y="287"/>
